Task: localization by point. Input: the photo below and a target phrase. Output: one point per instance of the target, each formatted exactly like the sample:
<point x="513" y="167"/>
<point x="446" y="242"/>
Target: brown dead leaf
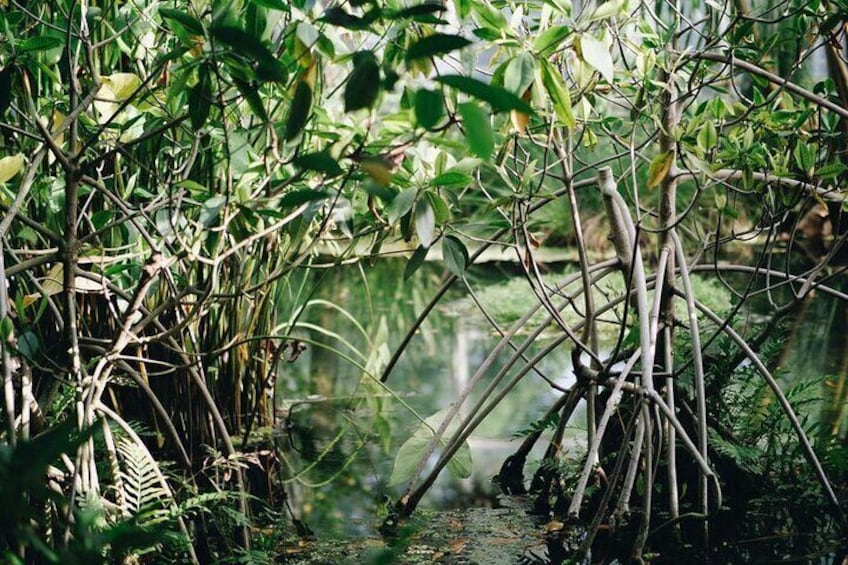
<point x="457" y="545"/>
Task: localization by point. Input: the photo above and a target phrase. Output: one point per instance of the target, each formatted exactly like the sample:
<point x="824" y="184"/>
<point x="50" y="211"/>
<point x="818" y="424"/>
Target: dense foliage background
<point x="179" y="178"/>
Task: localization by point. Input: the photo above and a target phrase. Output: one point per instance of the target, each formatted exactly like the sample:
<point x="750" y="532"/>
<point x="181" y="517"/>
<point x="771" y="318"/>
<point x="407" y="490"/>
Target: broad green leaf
<point x="200" y="99"/>
<point x="660" y="166"/>
<point x="415" y="261"/>
<point x="410" y="453"/>
<point x="299" y="111"/>
<point x="609" y="9"/>
<point x="211" y="209"/>
<point x="440" y="207"/>
<point x="425" y="222"/>
<point x="831" y="170"/>
<point x="490" y="17"/>
<point x="707" y="136"/>
<point x="519" y="73"/>
<point x="320" y="162"/>
<point x="435" y="45"/>
<point x="251" y="95"/>
<point x="272" y="4"/>
<point x="558" y="92"/>
<point x="549" y="40"/>
<point x="805" y="157"/>
<point x="501" y="100"/>
<point x="478" y="129"/>
<point x="40" y="43"/>
<point x="455" y="255"/>
<point x="401" y="205"/>
<point x="122" y="85"/>
<point x="596" y="53"/>
<point x="298" y="197"/>
<point x="429" y="108"/>
<point x="451" y="178"/>
<point x="10" y="166"/>
<point x="363" y="84"/>
<point x="268" y="67"/>
<point x="190" y="23"/>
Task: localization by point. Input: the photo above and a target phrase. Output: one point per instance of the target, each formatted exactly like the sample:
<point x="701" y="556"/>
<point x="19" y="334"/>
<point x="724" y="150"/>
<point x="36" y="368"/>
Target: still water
<point x="343" y="430"/>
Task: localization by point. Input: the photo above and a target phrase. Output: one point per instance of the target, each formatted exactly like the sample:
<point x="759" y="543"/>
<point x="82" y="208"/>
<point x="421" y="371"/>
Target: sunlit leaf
<point x="435" y="45"/>
<point x="501" y="100"/>
<point x="660" y="166"/>
<point x="451" y="178"/>
<point x="547" y="42"/>
<point x="596" y="53"/>
<point x="401" y="205"/>
<point x="478" y="129"/>
<point x="831" y="170"/>
<point x="519" y="73"/>
<point x="40" y="43"/>
<point x="425" y="222"/>
<point x="122" y="85"/>
<point x="211" y="210"/>
<point x="10" y="166"/>
<point x="558" y="92"/>
<point x="609" y="9"/>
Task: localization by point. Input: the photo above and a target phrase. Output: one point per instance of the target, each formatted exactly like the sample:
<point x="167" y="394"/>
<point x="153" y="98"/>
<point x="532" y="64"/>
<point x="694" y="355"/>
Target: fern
<point x="142" y="490"/>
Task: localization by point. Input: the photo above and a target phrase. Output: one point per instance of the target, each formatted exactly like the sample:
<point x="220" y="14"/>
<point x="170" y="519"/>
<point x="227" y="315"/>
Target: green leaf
<point x="596" y="53"/>
<point x="251" y="95"/>
<point x="659" y="168"/>
<point x="831" y="170"/>
<point x="549" y="40"/>
<point x="200" y="99"/>
<point x="250" y="47"/>
<point x="608" y="9"/>
<point x="272" y="4"/>
<point x="338" y="17"/>
<point x="502" y="100"/>
<point x="363" y="85"/>
<point x="190" y="23"/>
<point x="435" y="45"/>
<point x="805" y="157"/>
<point x="451" y="178"/>
<point x="298" y="197"/>
<point x="455" y="255"/>
<point x="415" y="261"/>
<point x="707" y="136"/>
<point x="401" y="205"/>
<point x="422" y="12"/>
<point x="490" y="18"/>
<point x="519" y="73"/>
<point x="299" y="111"/>
<point x="211" y="210"/>
<point x="558" y="91"/>
<point x="425" y="222"/>
<point x="10" y="165"/>
<point x="429" y="108"/>
<point x="478" y="129"/>
<point x="320" y="162"/>
<point x="40" y="43"/>
<point x="410" y="453"/>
